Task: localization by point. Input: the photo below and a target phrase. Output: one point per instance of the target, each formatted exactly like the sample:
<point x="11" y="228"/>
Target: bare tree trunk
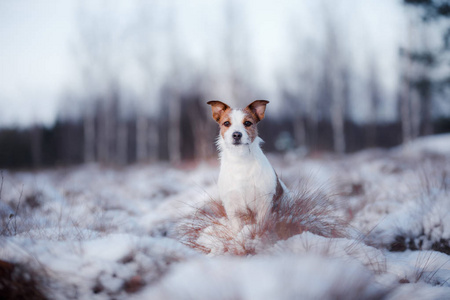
<point x="405" y="112"/>
<point x="336" y="77"/>
<point x="375" y="99"/>
<point x="371" y="129"/>
<point x="174" y="130"/>
<point x="89" y="138"/>
<point x="100" y="140"/>
<point x="427" y="122"/>
<point x="415" y="114"/>
<point x="337" y="119"/>
<point x="238" y="59"/>
<point x="104" y="135"/>
<point x="314" y="123"/>
<point x="102" y="147"/>
<point x="36" y="146"/>
<point x="109" y="132"/>
<point x="299" y="131"/>
<point x="338" y="109"/>
<point x="201" y="144"/>
<point x="141" y="137"/>
<point x="199" y="130"/>
<point x="406" y="97"/>
<point x="122" y="142"/>
<point x="153" y="140"/>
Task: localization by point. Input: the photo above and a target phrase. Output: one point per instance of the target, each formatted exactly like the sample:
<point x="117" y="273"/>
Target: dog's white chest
<point x="246" y="184"/>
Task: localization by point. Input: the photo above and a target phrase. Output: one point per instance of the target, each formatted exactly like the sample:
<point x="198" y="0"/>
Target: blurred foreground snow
<point x="93" y="232"/>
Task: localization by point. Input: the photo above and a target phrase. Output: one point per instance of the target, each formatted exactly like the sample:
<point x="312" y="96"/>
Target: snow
<point x="438" y="144"/>
<point x="278" y="277"/>
<point x="97" y="232"/>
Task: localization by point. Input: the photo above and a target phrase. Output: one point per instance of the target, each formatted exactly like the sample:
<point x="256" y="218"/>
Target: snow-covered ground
<point x="142" y="232"/>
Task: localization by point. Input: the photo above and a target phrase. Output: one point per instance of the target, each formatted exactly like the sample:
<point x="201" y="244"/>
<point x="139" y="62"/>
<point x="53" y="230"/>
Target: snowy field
<point x="370" y="225"/>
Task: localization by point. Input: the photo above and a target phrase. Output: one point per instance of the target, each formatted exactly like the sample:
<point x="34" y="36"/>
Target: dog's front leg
<point x="233" y="203"/>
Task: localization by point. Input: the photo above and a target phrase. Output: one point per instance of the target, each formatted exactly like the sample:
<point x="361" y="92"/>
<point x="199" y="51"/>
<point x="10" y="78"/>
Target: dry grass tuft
<point x="20" y="282"/>
<point x="209" y="229"/>
<point x="212" y="214"/>
<point x="307" y="211"/>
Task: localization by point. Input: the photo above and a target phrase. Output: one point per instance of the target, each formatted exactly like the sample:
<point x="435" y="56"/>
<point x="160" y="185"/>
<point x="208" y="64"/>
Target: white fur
<point x="246" y="177"/>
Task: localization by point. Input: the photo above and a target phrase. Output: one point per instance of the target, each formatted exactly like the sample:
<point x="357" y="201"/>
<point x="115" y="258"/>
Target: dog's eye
<point x="248" y="123"/>
<point x="227" y="124"/>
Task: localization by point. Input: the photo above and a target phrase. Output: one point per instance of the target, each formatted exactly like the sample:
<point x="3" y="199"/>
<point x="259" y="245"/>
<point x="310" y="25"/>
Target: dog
<point x="247" y="181"/>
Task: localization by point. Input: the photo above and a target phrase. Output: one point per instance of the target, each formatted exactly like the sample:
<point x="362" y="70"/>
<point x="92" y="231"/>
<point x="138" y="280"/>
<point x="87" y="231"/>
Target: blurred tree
<point x="36" y="145"/>
<point x="89" y="136"/>
<point x="336" y="75"/>
<point x="238" y="60"/>
<point x="122" y="134"/>
<point x="428" y="74"/>
<point x="96" y="72"/>
<point x="142" y="129"/>
<point x="174" y="88"/>
<point x="15" y="148"/>
<point x="405" y="110"/>
<point x="299" y="91"/>
<point x="375" y="99"/>
<point x="433" y="9"/>
<point x="99" y="55"/>
<point x="146" y="46"/>
<point x="202" y="130"/>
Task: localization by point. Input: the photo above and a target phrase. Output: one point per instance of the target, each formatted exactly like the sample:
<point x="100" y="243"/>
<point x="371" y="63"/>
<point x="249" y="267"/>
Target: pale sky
<point x="37" y="37"/>
<point x="34" y="58"/>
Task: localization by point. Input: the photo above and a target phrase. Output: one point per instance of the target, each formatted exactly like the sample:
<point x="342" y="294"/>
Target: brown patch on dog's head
<point x="249" y="121"/>
<point x="257" y="109"/>
<point x="254" y="113"/>
<point x="218" y="109"/>
<point x="221" y="114"/>
<point x="225" y="122"/>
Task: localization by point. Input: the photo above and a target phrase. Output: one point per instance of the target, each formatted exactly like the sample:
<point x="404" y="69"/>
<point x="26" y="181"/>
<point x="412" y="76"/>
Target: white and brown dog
<point x="247" y="181"/>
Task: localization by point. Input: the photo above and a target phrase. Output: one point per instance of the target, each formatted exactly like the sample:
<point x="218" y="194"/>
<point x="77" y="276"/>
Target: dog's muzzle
<point x="237" y="137"/>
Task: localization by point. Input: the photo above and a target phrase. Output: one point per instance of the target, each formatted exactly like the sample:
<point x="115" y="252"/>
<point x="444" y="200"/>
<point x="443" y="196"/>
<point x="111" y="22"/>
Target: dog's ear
<point x="258" y="108"/>
<point x="218" y="108"/>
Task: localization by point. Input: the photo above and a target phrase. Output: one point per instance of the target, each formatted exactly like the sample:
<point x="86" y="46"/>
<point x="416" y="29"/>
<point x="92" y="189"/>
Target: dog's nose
<point x="237" y="135"/>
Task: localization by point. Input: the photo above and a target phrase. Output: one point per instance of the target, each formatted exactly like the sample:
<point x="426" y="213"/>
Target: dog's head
<point x="238" y="126"/>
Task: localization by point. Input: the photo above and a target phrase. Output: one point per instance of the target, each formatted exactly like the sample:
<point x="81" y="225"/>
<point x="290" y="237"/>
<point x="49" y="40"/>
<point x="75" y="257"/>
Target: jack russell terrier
<point x="248" y="184"/>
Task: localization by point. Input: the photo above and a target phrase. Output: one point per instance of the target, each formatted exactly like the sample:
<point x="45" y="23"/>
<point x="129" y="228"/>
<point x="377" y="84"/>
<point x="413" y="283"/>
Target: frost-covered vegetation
<point x="370" y="225"/>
